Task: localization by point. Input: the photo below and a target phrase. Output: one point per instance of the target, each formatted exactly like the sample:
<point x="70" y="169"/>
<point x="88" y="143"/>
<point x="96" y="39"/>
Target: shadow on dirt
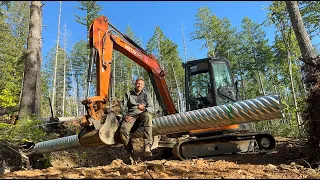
<point x="286" y="151"/>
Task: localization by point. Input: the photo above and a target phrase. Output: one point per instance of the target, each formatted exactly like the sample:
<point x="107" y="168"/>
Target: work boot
<point x="147" y="151"/>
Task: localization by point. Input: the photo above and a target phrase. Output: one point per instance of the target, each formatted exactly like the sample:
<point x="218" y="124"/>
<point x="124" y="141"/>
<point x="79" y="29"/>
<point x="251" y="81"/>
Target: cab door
<point x="208" y="83"/>
<point x="198" y="84"/>
<point x="224" y="87"/>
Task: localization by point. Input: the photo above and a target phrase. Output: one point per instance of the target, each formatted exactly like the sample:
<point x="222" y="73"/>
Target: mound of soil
<point x="112" y="163"/>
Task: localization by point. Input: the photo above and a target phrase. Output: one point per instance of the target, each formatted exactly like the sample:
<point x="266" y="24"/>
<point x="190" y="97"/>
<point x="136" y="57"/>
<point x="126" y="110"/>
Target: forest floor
<point x="283" y="162"/>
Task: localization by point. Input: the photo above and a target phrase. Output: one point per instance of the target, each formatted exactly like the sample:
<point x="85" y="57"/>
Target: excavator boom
<point x="103" y="41"/>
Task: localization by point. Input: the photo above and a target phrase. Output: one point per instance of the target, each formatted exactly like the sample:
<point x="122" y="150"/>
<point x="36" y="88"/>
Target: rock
<point x="312" y="174"/>
<point x="156" y="167"/>
<point x="167" y="163"/>
<point x="311" y="171"/>
<point x="117" y="162"/>
<point x="271" y="167"/>
<point x="147" y="176"/>
<point x="129" y="169"/>
<point x="303" y="163"/>
<point x="117" y="173"/>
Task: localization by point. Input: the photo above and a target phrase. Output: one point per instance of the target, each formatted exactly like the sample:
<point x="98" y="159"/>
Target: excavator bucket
<point x="106" y="135"/>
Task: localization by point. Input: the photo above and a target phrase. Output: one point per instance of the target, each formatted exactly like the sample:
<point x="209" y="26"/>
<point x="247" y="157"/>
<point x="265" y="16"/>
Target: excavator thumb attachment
<point x="106" y="135"/>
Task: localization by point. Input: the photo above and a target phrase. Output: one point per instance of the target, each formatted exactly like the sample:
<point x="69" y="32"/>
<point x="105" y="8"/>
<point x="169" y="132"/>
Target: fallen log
<point x="8" y="110"/>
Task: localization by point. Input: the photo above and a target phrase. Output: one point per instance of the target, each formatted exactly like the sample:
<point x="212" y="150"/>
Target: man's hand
<point x="129" y="119"/>
<point x="141" y="107"/>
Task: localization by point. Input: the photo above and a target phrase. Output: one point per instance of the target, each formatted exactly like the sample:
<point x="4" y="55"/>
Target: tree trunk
<point x="302" y="36"/>
<point x="38" y="86"/>
<point x="29" y="89"/>
<point x="8" y="110"/>
<point x="56" y="63"/>
<point x="114" y="77"/>
<point x="76" y="92"/>
<point x="39" y="92"/>
<point x="180" y="103"/>
<point x="261" y="84"/>
<point x="184" y="44"/>
<point x="242" y="88"/>
<point x="259" y="75"/>
<point x="64" y="70"/>
<point x="292" y="89"/>
<point x="313" y="104"/>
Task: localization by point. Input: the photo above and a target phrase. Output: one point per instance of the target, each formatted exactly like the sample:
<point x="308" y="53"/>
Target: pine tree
<point x="308" y="54"/>
<point x="49" y="68"/>
<point x="56" y="63"/>
<point x="32" y="65"/>
<point x="217" y="33"/>
<point x="14" y="23"/>
<point x="168" y="57"/>
<point x="280" y="19"/>
<point x="92" y="10"/>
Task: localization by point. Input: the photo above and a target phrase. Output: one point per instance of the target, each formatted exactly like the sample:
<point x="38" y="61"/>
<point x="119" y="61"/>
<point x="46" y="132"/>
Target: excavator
<point x="214" y="117"/>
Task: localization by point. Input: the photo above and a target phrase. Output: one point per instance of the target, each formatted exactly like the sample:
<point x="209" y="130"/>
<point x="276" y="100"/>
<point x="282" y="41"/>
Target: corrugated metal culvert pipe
<point x="253" y="110"/>
<point x="68" y="142"/>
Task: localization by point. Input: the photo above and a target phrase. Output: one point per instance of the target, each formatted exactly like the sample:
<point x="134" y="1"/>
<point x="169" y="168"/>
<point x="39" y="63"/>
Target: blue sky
<point x="144" y="16"/>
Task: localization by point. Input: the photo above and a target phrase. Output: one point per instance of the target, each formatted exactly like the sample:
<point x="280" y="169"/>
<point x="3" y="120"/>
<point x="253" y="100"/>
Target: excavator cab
<point x="209" y="82"/>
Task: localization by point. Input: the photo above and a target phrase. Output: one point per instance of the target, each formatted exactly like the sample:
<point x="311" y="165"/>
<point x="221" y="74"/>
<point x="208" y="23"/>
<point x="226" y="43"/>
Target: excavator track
<point x="223" y="144"/>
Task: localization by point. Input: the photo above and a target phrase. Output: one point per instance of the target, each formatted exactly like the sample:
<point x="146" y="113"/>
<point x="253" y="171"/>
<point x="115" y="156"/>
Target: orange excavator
<point x="211" y="125"/>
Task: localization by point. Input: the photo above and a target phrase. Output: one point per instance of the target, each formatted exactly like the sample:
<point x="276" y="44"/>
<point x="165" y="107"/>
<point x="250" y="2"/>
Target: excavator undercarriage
<point x="240" y="143"/>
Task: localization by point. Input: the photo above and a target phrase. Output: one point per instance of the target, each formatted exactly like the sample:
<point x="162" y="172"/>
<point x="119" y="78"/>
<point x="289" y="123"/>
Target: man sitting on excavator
<point x="136" y="110"/>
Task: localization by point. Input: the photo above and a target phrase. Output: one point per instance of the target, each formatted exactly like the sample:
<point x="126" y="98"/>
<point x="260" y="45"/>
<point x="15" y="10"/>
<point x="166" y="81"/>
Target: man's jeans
<point x="144" y="119"/>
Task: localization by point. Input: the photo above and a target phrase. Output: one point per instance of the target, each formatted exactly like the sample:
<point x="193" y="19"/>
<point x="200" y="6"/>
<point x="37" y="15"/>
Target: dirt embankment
<point x="112" y="163"/>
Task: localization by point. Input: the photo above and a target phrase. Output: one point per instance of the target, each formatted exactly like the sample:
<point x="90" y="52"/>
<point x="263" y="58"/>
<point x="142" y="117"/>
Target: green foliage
<point x="6" y="99"/>
<point x="48" y="66"/>
<point x="126" y="70"/>
<point x="279" y="127"/>
<point x="80" y="52"/>
<point x="310" y="15"/>
<point x="79" y="61"/>
<point x="167" y="55"/>
<point x="217" y="33"/>
<point x="14" y="30"/>
<point x="26" y="129"/>
<point x="286" y="52"/>
<point x="91" y="9"/>
<point x="261" y="68"/>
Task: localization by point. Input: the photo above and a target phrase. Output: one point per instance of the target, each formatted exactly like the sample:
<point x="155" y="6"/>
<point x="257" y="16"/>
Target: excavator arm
<point x="102" y="41"/>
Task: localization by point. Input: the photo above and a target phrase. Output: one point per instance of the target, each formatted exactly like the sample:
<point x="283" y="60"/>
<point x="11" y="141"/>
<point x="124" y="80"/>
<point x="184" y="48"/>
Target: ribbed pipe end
<point x="69" y="142"/>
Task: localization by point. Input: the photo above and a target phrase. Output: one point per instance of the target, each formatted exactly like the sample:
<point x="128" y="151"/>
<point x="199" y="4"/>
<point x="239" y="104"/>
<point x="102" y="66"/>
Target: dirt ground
<point x="283" y="162"/>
